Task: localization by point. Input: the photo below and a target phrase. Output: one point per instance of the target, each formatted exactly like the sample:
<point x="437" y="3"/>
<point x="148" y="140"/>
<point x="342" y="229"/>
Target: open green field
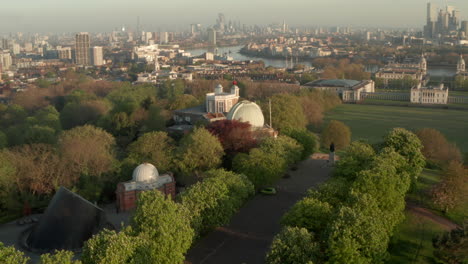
<point x="371" y="122"/>
<point x="412" y="241"/>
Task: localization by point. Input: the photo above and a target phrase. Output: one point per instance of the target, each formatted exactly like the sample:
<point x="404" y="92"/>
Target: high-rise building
<point x="5" y="60"/>
<point x="96" y="56"/>
<point x="64" y="53"/>
<point x="212" y="36"/>
<point x="464" y="28"/>
<point x="82" y="49"/>
<point x="441" y="23"/>
<point x="163" y="37"/>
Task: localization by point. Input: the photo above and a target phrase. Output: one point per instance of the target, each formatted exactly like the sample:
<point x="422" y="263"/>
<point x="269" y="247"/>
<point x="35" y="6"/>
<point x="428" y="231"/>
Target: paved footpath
<point x="247" y="239"/>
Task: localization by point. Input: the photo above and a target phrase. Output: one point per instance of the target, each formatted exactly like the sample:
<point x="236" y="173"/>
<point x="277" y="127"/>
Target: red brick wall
<point x="126" y="200"/>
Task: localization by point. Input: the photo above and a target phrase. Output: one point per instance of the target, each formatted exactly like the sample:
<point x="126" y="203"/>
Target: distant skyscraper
<point x="82" y="49"/>
<point x="221" y="22"/>
<point x="163" y="37"/>
<point x="464" y="28"/>
<point x="97" y="58"/>
<point x="212" y="36"/>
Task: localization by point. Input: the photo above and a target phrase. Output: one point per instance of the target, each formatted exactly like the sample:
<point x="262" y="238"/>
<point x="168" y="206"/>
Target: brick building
<point x="145" y="177"/>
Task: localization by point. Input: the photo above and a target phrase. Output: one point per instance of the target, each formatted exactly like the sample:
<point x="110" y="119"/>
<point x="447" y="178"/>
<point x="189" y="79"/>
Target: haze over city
<point x="104" y="15"/>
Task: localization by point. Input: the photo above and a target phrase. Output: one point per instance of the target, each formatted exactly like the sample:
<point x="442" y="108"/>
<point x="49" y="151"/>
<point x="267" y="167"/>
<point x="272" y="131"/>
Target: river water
<point x="233" y="51"/>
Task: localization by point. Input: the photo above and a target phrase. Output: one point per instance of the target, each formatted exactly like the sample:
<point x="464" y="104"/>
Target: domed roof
<point x="247" y="111"/>
<point x="145" y="172"/>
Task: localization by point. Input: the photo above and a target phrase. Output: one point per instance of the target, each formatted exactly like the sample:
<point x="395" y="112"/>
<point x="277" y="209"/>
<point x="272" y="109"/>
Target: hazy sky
<point x="104" y="15"/>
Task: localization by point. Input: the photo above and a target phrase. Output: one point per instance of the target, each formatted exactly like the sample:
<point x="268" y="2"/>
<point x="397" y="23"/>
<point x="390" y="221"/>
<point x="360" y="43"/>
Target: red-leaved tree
<point x="235" y="136"/>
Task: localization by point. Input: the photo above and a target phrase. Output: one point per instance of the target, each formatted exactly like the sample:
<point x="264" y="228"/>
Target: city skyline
<point x="105" y="15"/>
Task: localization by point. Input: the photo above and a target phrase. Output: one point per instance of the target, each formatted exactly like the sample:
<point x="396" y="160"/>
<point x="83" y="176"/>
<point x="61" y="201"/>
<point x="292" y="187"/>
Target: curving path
<point x="247" y="238"/>
<point x="426" y="213"/>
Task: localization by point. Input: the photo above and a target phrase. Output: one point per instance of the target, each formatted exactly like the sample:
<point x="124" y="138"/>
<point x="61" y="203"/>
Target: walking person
<point x="331" y="157"/>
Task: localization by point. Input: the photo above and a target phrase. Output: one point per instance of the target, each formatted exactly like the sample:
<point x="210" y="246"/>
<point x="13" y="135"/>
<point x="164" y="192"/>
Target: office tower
<point x="64" y="53"/>
<point x="431" y="13"/>
<point x="464" y="28"/>
<point x="221" y="21"/>
<point x="163" y="37"/>
<point x="212" y="36"/>
<point x="96" y="56"/>
<point x="82" y="48"/>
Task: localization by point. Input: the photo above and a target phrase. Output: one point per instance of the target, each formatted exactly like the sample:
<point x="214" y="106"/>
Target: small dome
<point x="219" y="89"/>
<point x="145" y="172"/>
<point x="247" y="111"/>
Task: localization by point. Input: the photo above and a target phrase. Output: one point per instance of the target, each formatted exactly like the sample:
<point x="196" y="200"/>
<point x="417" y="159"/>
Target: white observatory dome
<point x="247" y="111"/>
<point x="145" y="172"/>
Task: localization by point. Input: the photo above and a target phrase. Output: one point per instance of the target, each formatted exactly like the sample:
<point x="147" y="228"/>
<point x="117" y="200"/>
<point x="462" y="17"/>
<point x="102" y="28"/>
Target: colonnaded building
<point x="408" y="69"/>
<point x="429" y="95"/>
<point x="349" y="91"/>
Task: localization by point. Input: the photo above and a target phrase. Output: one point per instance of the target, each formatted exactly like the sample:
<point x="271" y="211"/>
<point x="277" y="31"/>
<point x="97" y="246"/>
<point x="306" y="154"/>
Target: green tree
<point x="357" y="157"/>
<point x="110" y="247"/>
<point x="306" y="139"/>
<point x="453" y="188"/>
<point x="213" y="201"/>
<point x="262" y="168"/>
<point x="338" y="133"/>
<point x="183" y="101"/>
<point x="155" y="121"/>
<point x="309" y="213"/>
<point x="156" y="148"/>
<point x="283" y="146"/>
<point x="357" y="235"/>
<point x="9" y="255"/>
<point x="82" y="113"/>
<point x="287" y="112"/>
<point x="88" y="149"/>
<point x="164" y="227"/>
<point x="450" y="247"/>
<point x="39" y="134"/>
<point x="58" y="257"/>
<point x="293" y="245"/>
<point x="409" y="146"/>
<point x="199" y="151"/>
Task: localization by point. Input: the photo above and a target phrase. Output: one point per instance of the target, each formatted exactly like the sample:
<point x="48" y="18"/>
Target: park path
<point x="247" y="238"/>
<point x="426" y="213"/>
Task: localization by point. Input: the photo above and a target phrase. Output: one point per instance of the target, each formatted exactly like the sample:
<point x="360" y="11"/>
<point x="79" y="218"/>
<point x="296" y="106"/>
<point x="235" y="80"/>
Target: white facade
<point x="461" y="66"/>
<point x="97" y="56"/>
<point x="221" y="102"/>
<point x="5" y="60"/>
<point x="429" y="95"/>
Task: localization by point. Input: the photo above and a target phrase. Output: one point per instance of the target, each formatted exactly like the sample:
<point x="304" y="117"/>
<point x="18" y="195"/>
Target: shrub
<point x="9" y="255"/>
<point x="292" y="245"/>
<point x="59" y="257"/>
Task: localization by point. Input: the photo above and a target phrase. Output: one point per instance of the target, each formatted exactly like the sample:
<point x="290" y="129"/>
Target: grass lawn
<point x="421" y="195"/>
<point x="371" y="122"/>
<point x="412" y="242"/>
